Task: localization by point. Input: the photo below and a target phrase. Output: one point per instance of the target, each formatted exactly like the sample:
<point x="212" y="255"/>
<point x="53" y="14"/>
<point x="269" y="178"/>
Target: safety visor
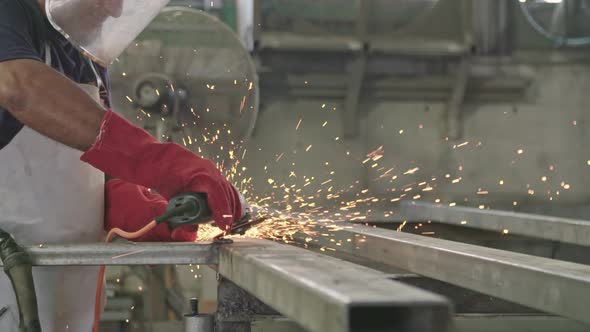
<point x="102" y="29"/>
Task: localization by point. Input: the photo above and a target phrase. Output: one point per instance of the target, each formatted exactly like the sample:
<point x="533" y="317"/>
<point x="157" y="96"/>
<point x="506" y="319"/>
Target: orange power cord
<point x="110" y="235"/>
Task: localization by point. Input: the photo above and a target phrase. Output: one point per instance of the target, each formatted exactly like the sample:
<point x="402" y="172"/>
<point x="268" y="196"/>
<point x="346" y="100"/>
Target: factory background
<point x="361" y="105"/>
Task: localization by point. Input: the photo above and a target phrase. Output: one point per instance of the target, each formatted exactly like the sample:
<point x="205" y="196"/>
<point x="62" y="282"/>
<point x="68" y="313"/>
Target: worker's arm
<point x="49" y="103"/>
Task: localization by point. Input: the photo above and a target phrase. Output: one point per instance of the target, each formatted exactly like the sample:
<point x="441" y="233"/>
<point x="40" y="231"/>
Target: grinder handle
<point x="187" y="209"/>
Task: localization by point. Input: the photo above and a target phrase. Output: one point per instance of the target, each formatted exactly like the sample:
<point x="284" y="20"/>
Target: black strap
<point x="39" y="22"/>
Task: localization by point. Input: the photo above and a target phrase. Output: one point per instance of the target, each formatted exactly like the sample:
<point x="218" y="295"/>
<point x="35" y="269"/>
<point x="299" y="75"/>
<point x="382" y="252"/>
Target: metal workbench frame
<point x="320" y="293"/>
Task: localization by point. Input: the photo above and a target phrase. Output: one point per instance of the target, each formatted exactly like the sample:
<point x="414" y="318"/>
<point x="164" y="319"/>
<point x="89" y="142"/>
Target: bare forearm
<point x="49" y="103"/>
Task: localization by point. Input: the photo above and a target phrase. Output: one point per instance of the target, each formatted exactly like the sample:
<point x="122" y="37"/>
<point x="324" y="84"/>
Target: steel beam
<point x="91" y="254"/>
<point x="296" y="42"/>
<point x="350" y="123"/>
<point x="454" y="108"/>
<point x="358" y="68"/>
<point x="544" y="227"/>
<point x="548" y="285"/>
<point x="325" y="294"/>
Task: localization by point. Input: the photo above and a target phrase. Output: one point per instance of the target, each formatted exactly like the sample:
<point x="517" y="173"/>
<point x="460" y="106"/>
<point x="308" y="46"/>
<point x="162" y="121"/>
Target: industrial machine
<point x="189" y="79"/>
<point x="563" y="23"/>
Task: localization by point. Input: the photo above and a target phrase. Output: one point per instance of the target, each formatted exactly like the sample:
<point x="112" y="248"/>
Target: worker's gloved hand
<point x="128" y="152"/>
<point x="130" y="207"/>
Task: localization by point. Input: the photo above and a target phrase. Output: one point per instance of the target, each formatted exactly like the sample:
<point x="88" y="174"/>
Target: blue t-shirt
<point x="19" y="40"/>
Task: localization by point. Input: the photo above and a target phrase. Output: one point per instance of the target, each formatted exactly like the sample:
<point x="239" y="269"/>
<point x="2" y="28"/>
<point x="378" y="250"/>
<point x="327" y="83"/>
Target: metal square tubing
<point x="325" y="294"/>
<point x="91" y="254"/>
<point x="548" y="285"/>
<point x="538" y="226"/>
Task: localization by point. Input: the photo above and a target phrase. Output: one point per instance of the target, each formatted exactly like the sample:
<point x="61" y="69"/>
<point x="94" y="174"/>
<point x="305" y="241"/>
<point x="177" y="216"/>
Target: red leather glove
<point x="130" y="207"/>
<point x="128" y="152"/>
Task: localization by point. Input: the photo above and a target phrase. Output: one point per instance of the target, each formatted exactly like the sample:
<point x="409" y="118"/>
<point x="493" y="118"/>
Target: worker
<point x="58" y="139"/>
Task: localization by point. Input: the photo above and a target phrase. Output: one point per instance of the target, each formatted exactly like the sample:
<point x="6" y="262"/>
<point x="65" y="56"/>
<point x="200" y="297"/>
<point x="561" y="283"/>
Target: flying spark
<point x="298" y="124"/>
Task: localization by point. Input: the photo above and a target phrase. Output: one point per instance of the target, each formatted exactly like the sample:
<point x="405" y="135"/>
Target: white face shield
<point x="102" y="29"/>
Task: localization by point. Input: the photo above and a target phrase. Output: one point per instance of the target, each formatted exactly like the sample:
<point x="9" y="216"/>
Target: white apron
<point x="49" y="196"/>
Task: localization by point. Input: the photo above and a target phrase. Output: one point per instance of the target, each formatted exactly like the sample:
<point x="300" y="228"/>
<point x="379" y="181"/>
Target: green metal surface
<point x="325" y="10"/>
<point x="174" y="28"/>
<point x="390" y="26"/>
<point x="229" y="13"/>
<point x="515" y="323"/>
<point x="18" y="268"/>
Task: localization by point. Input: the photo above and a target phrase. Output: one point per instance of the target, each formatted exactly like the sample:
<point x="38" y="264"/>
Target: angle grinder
<point x="192" y="209"/>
